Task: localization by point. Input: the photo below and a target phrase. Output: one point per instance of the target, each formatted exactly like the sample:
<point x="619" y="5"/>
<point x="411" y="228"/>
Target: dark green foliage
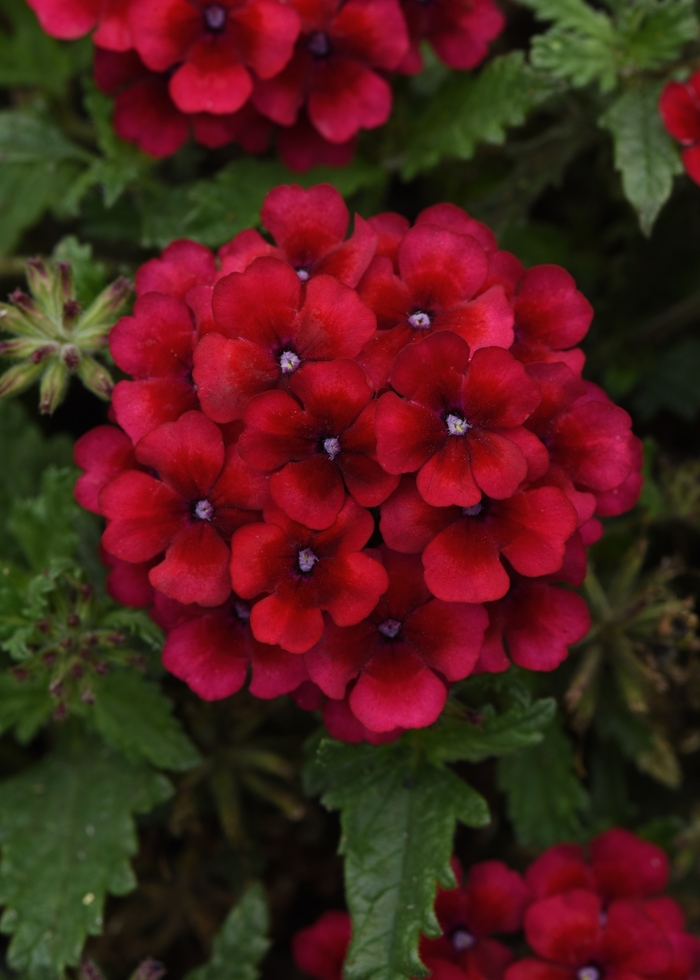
<point x="545" y="798"/>
<point x="241" y="943"/>
<point x="67" y="832"/>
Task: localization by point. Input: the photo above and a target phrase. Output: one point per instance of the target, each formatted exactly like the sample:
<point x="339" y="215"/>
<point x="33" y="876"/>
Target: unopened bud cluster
<point x="72" y="642"/>
<point x="54" y="337"/>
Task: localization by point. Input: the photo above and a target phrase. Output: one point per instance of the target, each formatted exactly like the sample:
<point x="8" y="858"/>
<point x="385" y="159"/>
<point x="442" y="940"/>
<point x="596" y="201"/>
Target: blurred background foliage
<point x="556" y="144"/>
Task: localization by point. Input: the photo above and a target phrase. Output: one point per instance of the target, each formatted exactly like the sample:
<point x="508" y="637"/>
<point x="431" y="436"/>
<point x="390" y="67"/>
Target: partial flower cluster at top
<point x="234" y="70"/>
<point x="586" y="914"/>
<point x="362" y="467"/>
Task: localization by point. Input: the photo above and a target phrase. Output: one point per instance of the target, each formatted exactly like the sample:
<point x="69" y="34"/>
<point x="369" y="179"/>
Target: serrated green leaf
<point x="452" y="739"/>
<point x="132" y="715"/>
<point x="45" y="526"/>
<point x="398" y="820"/>
<point x="24" y="706"/>
<point x="89" y="274"/>
<point x="653" y="33"/>
<point x="645" y="154"/>
<point x="574" y="15"/>
<point x="576" y="57"/>
<point x="242" y="942"/>
<point x="544" y="795"/>
<point x="67" y="833"/>
<point x="469" y="110"/>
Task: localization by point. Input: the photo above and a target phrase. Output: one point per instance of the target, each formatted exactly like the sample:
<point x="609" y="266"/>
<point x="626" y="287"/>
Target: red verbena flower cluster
<point x="230" y="70"/>
<point x="679" y="106"/>
<point x="587" y="914"/>
<point x="363" y="467"/>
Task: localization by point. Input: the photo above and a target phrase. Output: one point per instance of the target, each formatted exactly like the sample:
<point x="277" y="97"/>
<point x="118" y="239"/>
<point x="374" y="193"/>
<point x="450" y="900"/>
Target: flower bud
<point x="97" y="320"/>
<point x="96" y="378"/>
<point x="53" y="387"/>
<point x="18" y="377"/>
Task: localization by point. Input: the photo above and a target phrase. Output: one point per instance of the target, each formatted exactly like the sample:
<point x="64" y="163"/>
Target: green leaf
<point x="645" y="154"/>
<point x="37" y="165"/>
<point x="452" y="739"/>
<point x="653" y="33"/>
<point x="574" y="15"/>
<point x="544" y="795"/>
<point x="24" y="706"/>
<point x="469" y="110"/>
<point x="25" y="453"/>
<point x="29" y="57"/>
<point x="242" y="942"/>
<point x="132" y="715"/>
<point x="45" y="526"/>
<point x="67" y="833"/>
<point x="576" y="57"/>
<point x="398" y="820"/>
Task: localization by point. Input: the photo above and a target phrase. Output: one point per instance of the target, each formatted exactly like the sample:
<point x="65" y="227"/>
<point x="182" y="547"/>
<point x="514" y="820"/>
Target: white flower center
<point x="204" y="510"/>
<point x="332" y="446"/>
<point x="303" y="274"/>
<point x="307" y="559"/>
<point x="289" y="361"/>
<point x="473" y="510"/>
<point x="589" y="973"/>
<point x="242" y="610"/>
<point x="456" y="425"/>
<point x="461" y="940"/>
<point x="419" y="320"/>
<point x="390" y="628"/>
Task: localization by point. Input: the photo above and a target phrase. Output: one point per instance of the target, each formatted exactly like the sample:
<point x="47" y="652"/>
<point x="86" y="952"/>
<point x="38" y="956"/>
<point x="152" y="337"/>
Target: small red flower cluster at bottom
<point x="587" y="914"/>
<point x="362" y="468"/>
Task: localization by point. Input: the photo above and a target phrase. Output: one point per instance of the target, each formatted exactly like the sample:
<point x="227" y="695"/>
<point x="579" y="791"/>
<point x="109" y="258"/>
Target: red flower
<point x="320" y="949"/>
<point x="183" y="264"/>
<point x="301" y="147"/>
<point x="576" y="942"/>
<point x="440" y="275"/>
<point x="342" y="724"/>
<point x="402" y="654"/>
<point x="459" y="31"/>
<point x="685" y="949"/>
<point x="128" y="582"/>
<point x="492" y="901"/>
<point x="213" y="45"/>
<point x="551" y="316"/>
<point x="155" y="346"/>
<point x="212" y="649"/>
<point x="462" y="547"/>
<point x="454" y="423"/>
<point x="272" y="325"/>
<point x="586" y="435"/>
<point x="335" y="67"/>
<point x="102" y="453"/>
<point x="621" y="866"/>
<point x="69" y="19"/>
<point x="303" y="572"/>
<point x="679" y="106"/>
<point x="309" y="228"/>
<point x="317" y="450"/>
<point x="203" y="493"/>
<point x="533" y="625"/>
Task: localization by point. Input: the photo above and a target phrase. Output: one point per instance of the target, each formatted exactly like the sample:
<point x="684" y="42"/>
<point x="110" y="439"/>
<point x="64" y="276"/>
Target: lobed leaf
<point x="67" y="833"/>
<point x="398" y="819"/>
<point x="469" y="110"/>
<point x="25" y="706"/>
<point x="241" y="943"/>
